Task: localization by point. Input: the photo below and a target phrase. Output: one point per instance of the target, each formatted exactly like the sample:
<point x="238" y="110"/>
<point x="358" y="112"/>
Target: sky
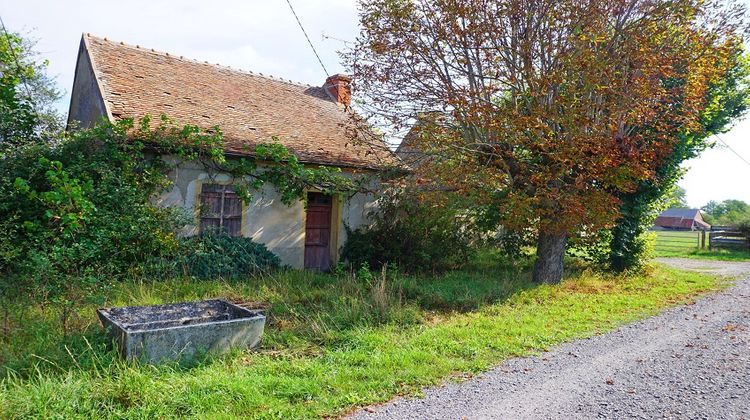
<point x="263" y="36"/>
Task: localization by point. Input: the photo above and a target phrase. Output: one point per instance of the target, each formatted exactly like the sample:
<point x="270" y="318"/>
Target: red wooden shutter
<point x="221" y="210"/>
<point x="210" y="208"/>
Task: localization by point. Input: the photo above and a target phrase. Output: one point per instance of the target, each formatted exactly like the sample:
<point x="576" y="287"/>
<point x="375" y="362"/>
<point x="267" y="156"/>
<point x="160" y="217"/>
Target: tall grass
<point x="332" y="343"/>
<point x="306" y="309"/>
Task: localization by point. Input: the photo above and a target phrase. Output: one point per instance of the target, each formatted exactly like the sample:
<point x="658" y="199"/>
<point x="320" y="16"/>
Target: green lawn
<point x="676" y="241"/>
<point x="333" y="343"/>
<point x="704" y="254"/>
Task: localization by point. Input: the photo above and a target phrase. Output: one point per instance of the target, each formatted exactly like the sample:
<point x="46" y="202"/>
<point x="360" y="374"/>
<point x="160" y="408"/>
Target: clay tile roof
<point x="248" y="108"/>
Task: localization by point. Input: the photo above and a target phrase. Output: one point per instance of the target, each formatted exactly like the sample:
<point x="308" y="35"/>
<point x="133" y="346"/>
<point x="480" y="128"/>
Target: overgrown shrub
<point x="217" y="255"/>
<point x="80" y="211"/>
<point x="416" y="231"/>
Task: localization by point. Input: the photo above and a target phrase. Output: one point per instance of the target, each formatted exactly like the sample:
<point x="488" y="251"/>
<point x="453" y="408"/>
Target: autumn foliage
<point x="547" y="109"/>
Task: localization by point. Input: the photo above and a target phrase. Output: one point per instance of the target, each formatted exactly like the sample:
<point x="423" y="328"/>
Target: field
<point x="333" y="342"/>
<point x="677" y="242"/>
<point x="687" y="244"/>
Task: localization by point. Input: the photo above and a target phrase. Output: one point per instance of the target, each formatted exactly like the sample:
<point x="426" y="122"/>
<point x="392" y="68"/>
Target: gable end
<point x="87" y="104"/>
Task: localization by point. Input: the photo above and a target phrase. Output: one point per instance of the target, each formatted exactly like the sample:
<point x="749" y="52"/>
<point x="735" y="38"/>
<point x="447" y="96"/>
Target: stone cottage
<point x="114" y="80"/>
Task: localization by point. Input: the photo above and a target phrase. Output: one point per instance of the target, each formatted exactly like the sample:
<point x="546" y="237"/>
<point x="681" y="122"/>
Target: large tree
<point x="544" y="103"/>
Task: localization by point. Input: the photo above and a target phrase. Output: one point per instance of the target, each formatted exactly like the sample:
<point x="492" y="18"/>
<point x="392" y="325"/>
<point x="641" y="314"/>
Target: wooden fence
<point x="719" y="237"/>
<point x="678" y="240"/>
<point x="728" y="239"/>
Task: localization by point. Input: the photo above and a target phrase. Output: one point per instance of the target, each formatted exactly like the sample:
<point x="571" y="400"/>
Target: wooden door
<point x="318" y="232"/>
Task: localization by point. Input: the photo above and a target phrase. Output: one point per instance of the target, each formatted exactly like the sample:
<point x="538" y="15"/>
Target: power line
<point x="732" y="150"/>
<point x="307" y="37"/>
<point x="17" y="61"/>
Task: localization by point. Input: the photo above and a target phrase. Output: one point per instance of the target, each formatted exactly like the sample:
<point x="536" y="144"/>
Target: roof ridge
<point x="192" y="60"/>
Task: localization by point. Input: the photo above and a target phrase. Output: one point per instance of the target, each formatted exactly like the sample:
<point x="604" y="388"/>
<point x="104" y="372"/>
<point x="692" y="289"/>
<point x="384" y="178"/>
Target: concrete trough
<point x="160" y="333"/>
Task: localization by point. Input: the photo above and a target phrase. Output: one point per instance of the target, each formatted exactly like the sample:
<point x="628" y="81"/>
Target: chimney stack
<point x="338" y="88"/>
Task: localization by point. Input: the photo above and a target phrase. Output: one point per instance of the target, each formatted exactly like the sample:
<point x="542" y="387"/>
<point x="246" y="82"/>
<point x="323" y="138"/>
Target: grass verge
<point x="333" y="343"/>
<point x="704" y="254"/>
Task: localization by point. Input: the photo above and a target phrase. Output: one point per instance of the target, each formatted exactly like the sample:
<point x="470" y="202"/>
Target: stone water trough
<point x="160" y="333"/>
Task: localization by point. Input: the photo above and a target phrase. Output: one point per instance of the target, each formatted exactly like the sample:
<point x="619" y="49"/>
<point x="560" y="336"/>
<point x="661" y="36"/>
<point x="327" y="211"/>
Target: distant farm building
<point x="681" y="219"/>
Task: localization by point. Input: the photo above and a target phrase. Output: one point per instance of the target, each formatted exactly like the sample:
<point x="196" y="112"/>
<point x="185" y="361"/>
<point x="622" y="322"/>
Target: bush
<point x="217" y="255"/>
<point x="78" y="212"/>
<point x="416" y="231"/>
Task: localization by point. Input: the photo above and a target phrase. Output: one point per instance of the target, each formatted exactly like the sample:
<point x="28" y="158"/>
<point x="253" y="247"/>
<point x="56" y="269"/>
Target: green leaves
<point x="64" y="201"/>
<point x="727" y="212"/>
<point x="26" y="95"/>
<point x="215" y="255"/>
<point x="727" y="99"/>
<point x="82" y="209"/>
<point x="22" y="186"/>
<point x="267" y="163"/>
<point x="287" y="174"/>
<point x="417" y="231"/>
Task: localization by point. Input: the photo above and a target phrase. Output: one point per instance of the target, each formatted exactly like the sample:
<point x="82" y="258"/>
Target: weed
<point x="332" y="343"/>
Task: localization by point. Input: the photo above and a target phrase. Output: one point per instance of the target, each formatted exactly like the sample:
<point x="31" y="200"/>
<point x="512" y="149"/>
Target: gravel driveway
<point x="691" y="361"/>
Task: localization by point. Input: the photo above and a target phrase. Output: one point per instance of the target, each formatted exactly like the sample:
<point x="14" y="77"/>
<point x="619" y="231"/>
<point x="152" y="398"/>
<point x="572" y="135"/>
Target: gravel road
<point x="691" y="361"/>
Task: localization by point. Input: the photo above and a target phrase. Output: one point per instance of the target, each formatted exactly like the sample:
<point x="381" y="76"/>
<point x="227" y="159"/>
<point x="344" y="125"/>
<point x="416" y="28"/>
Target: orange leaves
<point x="563" y="104"/>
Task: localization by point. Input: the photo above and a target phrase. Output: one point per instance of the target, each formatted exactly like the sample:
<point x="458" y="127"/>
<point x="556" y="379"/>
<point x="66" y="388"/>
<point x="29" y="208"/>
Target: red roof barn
<point x="681" y="219"/>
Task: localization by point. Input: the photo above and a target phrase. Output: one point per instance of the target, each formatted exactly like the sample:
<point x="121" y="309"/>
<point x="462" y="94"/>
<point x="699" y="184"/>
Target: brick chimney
<point x="339" y="89"/>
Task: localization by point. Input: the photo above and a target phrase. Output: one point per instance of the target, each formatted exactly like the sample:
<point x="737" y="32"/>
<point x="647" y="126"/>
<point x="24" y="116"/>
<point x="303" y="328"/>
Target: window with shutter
<point x="221" y="210"/>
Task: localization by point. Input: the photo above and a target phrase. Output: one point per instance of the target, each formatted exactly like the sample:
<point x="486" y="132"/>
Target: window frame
<point x="223" y="190"/>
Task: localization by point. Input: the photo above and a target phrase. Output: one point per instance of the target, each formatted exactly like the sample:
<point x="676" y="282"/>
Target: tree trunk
<point x="550" y="250"/>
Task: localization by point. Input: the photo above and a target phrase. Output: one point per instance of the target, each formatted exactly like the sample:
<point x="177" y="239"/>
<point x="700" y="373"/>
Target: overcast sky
<point x="262" y="36"/>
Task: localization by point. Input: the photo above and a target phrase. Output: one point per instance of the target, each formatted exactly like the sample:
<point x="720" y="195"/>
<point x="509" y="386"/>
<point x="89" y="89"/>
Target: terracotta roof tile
<point x="249" y="108"/>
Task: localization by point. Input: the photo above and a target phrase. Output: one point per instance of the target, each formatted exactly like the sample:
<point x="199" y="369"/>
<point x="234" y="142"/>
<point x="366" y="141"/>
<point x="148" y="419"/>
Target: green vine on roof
<point x="80" y="211"/>
<point x="266" y="163"/>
